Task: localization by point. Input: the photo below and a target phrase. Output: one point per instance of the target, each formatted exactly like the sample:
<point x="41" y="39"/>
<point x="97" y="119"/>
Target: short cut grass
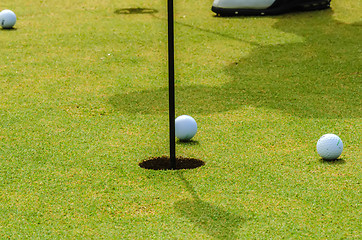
<point x="83" y="100"/>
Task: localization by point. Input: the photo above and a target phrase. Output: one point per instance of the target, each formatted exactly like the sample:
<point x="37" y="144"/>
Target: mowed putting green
<point x="83" y="100"/>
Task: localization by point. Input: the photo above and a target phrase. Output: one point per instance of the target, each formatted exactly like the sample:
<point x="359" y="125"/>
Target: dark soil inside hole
<point x="163" y="163"/>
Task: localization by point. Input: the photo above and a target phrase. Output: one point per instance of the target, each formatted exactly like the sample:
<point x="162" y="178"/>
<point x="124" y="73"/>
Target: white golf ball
<point x="329" y="146"/>
<point x="185" y="127"/>
<point x="7" y="19"/>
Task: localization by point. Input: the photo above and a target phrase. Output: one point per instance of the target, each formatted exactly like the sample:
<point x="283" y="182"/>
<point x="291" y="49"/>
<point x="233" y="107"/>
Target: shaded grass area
<point x="83" y="99"/>
<point x="305" y="79"/>
<point x="216" y="221"/>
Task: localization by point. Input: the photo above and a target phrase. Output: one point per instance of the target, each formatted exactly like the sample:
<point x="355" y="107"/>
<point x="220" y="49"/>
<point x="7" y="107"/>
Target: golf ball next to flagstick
<point x="185" y="127"/>
<point x="329" y="146"/>
<point x="7" y="19"/>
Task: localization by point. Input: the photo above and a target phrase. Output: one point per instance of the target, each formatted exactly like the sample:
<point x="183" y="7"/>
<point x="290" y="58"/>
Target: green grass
<point x="83" y="99"/>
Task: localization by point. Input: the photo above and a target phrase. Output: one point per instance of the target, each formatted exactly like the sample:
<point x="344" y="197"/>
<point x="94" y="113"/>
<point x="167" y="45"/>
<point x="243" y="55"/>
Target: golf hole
<point x="163" y="163"/>
<point x="136" y="11"/>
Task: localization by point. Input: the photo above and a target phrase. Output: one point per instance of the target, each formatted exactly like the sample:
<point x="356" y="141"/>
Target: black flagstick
<point x="171" y="82"/>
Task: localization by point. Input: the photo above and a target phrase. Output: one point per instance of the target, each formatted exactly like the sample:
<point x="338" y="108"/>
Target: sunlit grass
<point x="83" y="100"/>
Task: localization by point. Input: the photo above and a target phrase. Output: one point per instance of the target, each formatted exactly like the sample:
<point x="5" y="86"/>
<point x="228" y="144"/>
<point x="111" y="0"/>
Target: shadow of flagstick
<point x="208" y="31"/>
<point x="215" y="221"/>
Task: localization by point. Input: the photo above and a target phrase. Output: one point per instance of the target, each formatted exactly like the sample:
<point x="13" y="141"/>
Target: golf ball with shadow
<point x="329" y="146"/>
<point x="7" y="19"/>
<point x="185" y="127"/>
